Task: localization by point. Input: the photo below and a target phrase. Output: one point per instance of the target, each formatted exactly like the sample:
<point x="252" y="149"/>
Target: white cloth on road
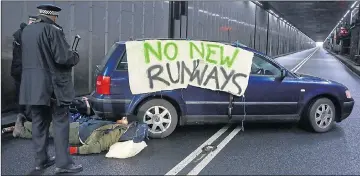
<point x="125" y="149"/>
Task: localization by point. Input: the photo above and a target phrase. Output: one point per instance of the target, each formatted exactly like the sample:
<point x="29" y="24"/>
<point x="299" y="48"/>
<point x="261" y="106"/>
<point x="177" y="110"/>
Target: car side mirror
<point x="283" y="74"/>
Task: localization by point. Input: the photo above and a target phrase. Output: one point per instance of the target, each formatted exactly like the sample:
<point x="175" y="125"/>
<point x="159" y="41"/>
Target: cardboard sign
<point x="156" y="65"/>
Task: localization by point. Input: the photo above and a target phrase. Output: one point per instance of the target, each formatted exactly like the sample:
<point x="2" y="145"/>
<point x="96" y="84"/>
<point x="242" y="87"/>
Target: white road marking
<point x="195" y="153"/>
<point x="299" y="65"/>
<point x="302" y="61"/>
<point x="197" y="169"/>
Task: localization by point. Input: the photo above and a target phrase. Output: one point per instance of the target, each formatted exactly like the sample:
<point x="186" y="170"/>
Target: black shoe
<point x="71" y="169"/>
<point x="48" y="163"/>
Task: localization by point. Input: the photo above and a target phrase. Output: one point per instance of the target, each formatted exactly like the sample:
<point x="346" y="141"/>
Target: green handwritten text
<point x="148" y="48"/>
<point x="166" y="49"/>
<point x="194" y="47"/>
<point x="210" y="52"/>
<point x="226" y="59"/>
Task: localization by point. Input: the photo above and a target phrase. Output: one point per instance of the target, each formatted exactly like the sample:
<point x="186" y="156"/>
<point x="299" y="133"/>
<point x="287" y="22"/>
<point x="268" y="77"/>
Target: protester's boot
<point x="19" y="125"/>
<point x="71" y="169"/>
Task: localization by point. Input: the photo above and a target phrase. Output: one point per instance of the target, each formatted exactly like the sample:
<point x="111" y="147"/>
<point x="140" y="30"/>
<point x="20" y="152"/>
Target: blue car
<point x="273" y="93"/>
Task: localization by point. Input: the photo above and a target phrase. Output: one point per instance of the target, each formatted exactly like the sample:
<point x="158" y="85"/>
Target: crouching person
<point x="23" y="129"/>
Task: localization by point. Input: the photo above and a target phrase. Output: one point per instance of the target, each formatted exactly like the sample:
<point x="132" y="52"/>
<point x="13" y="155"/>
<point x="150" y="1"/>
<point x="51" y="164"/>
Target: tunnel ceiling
<point x="316" y="19"/>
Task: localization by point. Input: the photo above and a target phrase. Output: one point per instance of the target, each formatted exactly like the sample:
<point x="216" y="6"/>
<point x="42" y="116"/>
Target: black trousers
<point x="21" y="108"/>
<point x="41" y="118"/>
<point x="24" y="109"/>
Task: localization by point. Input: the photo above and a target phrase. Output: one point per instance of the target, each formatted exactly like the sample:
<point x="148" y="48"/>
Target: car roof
<point x="236" y="44"/>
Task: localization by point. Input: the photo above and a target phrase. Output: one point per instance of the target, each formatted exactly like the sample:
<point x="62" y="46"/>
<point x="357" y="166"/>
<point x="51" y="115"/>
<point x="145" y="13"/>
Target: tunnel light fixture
<point x="353" y="5"/>
<point x="347" y="12"/>
<point x="258" y="3"/>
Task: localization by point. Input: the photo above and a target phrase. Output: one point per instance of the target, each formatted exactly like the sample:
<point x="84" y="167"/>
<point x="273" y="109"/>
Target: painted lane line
<point x="180" y="166"/>
<point x="203" y="163"/>
<point x="305" y="61"/>
<point x="196" y="152"/>
<point x="198" y="168"/>
<point x="299" y="65"/>
<point x="302" y="61"/>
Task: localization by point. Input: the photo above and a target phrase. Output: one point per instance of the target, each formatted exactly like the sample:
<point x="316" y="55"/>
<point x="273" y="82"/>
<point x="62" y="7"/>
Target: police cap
<point x="48" y="9"/>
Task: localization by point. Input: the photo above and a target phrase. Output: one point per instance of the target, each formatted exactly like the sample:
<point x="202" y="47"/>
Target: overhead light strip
<point x="353" y="5"/>
<point x="347" y="12"/>
<point x="257" y="2"/>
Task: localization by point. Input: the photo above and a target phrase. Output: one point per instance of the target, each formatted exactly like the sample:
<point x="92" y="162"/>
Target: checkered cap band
<point x="49" y="12"/>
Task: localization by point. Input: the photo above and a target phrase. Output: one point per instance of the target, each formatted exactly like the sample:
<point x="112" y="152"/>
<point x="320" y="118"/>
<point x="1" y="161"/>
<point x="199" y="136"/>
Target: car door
<point x="267" y="95"/>
<point x="205" y="102"/>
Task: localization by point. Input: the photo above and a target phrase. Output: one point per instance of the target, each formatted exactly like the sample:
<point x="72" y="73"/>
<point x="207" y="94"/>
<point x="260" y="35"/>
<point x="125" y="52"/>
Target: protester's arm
<point x="63" y="55"/>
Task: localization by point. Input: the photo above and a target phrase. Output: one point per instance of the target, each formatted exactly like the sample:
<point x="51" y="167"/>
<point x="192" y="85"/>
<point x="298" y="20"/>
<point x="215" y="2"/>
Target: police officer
<point x="16" y="64"/>
<point x="47" y="86"/>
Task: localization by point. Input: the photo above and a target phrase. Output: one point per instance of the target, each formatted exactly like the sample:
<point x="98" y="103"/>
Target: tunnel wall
<point x="101" y="23"/>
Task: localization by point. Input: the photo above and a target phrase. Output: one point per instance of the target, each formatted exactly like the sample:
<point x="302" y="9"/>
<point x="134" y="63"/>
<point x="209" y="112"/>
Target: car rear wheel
<point x="321" y="115"/>
<point x="161" y="117"/>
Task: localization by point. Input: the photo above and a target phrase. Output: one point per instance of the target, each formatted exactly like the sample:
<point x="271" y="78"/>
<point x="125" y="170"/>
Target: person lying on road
<point x="94" y="136"/>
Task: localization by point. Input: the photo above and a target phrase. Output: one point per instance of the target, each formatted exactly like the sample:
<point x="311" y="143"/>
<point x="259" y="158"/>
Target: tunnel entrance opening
<point x="319" y="43"/>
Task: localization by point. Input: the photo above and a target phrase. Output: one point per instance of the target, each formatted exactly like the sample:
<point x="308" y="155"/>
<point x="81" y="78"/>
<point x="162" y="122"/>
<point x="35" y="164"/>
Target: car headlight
<point x="347" y="93"/>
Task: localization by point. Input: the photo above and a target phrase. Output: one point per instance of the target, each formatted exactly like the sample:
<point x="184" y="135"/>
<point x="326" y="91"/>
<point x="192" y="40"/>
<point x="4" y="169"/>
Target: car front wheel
<point x="161" y="117"/>
<point x="321" y="115"/>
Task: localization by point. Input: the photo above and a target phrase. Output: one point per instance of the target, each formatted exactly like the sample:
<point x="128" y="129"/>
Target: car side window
<point x="260" y="66"/>
<point x="123" y="65"/>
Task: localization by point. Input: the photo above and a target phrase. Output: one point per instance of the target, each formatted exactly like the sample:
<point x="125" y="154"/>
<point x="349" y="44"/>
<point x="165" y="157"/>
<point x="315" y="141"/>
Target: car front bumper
<point x="346" y="109"/>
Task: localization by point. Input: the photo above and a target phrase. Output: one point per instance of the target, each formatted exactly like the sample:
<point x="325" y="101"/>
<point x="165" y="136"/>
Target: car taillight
<point x="103" y="85"/>
<point x="348" y="95"/>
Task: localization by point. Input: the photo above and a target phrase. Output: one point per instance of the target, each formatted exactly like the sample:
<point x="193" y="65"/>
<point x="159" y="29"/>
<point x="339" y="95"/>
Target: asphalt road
<point x="260" y="149"/>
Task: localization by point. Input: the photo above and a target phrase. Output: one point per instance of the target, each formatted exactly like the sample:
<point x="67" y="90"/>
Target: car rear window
<point x="123" y="64"/>
<point x="108" y="54"/>
<point x="116" y="50"/>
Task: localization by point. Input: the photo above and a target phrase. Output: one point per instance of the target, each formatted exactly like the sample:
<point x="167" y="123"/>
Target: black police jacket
<point x="16" y="62"/>
<point x="47" y="62"/>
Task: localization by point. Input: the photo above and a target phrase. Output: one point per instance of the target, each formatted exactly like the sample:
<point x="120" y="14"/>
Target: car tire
<point x="321" y="115"/>
<point x="168" y="121"/>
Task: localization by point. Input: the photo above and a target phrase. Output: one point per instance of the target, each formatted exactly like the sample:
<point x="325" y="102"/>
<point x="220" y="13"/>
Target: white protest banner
<point x="156" y="65"/>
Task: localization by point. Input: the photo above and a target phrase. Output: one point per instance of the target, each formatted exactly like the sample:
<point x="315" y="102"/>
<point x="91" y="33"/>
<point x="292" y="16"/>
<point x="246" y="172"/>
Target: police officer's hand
<point x="76" y="54"/>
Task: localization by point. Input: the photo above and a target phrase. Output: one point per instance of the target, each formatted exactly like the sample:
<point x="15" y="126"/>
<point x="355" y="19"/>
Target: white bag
<point x="125" y="149"/>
